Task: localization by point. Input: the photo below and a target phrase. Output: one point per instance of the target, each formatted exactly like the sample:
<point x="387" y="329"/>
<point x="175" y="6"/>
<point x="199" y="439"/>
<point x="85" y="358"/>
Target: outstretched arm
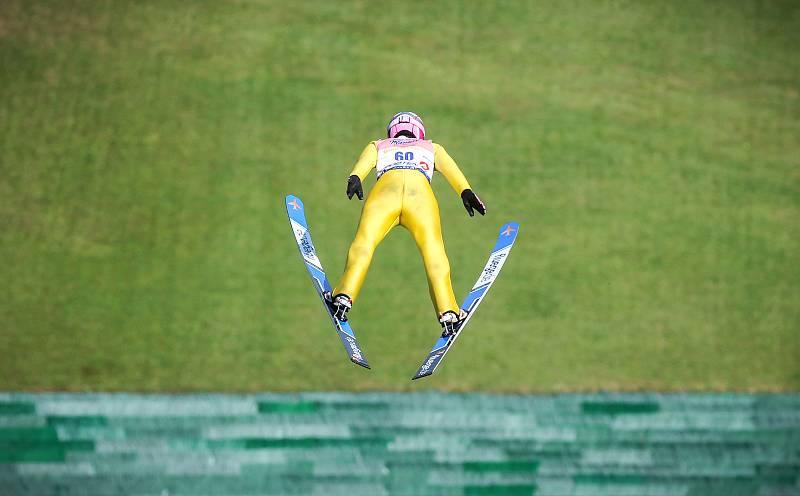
<point x="365" y="163"/>
<point x="445" y="164"/>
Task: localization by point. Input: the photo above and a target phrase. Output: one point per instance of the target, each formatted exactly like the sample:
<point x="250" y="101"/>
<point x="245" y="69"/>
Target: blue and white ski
<point x="505" y="240"/>
<point x="296" y="211"/>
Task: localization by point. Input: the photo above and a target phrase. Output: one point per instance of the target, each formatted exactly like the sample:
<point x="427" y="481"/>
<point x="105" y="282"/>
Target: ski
<point x="297" y="217"/>
<point x="505" y="240"/>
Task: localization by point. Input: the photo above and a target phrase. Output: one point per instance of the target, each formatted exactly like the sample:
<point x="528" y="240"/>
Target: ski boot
<point x="339" y="305"/>
<point x="451" y="322"/>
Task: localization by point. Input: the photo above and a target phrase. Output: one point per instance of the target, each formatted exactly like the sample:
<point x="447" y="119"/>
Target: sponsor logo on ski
<point x="491" y="267"/>
<point x="307" y="248"/>
<point x="429" y="362"/>
<point x="356" y="353"/>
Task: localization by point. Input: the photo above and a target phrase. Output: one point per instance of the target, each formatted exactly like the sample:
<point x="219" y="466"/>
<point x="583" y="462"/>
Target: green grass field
<point x="648" y="149"/>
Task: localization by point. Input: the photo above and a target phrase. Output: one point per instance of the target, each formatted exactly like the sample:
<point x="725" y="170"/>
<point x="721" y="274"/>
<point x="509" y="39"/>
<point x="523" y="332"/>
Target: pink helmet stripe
<point x="406" y="121"/>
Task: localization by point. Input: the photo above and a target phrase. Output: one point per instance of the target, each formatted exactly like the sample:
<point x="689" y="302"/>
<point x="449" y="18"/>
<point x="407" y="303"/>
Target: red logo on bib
<point x="424" y="165"/>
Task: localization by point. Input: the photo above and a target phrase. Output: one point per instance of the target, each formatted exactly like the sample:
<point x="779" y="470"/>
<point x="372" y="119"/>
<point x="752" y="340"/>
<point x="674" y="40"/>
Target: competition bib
<point x="405" y="153"/>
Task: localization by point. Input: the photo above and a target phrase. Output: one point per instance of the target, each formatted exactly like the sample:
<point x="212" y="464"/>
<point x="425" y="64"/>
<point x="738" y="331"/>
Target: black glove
<point x="354" y="187"/>
<point x="471" y="201"/>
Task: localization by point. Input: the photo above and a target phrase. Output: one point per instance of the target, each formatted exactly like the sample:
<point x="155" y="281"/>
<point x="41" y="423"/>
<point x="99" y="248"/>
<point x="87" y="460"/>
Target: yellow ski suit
<point x="403" y="196"/>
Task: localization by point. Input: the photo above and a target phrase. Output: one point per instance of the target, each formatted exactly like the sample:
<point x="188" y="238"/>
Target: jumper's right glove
<point x="354" y="187"/>
<point x="471" y="201"/>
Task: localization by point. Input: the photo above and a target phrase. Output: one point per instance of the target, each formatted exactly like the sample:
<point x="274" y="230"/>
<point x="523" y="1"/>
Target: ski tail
<point x="497" y="258"/>
<point x="302" y="234"/>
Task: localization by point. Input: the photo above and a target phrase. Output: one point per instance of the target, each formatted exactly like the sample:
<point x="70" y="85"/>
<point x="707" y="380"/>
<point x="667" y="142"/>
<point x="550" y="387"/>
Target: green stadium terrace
<point x="400" y="444"/>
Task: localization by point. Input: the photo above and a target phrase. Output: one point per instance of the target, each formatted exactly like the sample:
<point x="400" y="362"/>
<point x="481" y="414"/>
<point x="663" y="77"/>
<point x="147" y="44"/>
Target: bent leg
<point x="421" y="217"/>
<point x="380" y="214"/>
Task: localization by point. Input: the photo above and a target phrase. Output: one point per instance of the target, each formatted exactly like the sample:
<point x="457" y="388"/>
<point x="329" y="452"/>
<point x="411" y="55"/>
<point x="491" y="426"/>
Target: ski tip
<point x="509" y="229"/>
<point x="293" y="203"/>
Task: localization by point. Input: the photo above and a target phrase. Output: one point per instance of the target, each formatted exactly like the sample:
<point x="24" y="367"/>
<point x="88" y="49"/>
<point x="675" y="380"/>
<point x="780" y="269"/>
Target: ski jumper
<point x="403" y="196"/>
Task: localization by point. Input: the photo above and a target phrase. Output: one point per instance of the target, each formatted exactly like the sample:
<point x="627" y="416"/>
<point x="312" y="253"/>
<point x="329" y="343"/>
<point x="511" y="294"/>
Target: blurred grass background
<point x="648" y="149"/>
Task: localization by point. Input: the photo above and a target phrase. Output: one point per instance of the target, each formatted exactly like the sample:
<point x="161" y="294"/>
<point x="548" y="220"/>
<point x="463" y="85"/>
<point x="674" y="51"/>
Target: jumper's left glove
<point x="354" y="187"/>
<point x="471" y="201"/>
